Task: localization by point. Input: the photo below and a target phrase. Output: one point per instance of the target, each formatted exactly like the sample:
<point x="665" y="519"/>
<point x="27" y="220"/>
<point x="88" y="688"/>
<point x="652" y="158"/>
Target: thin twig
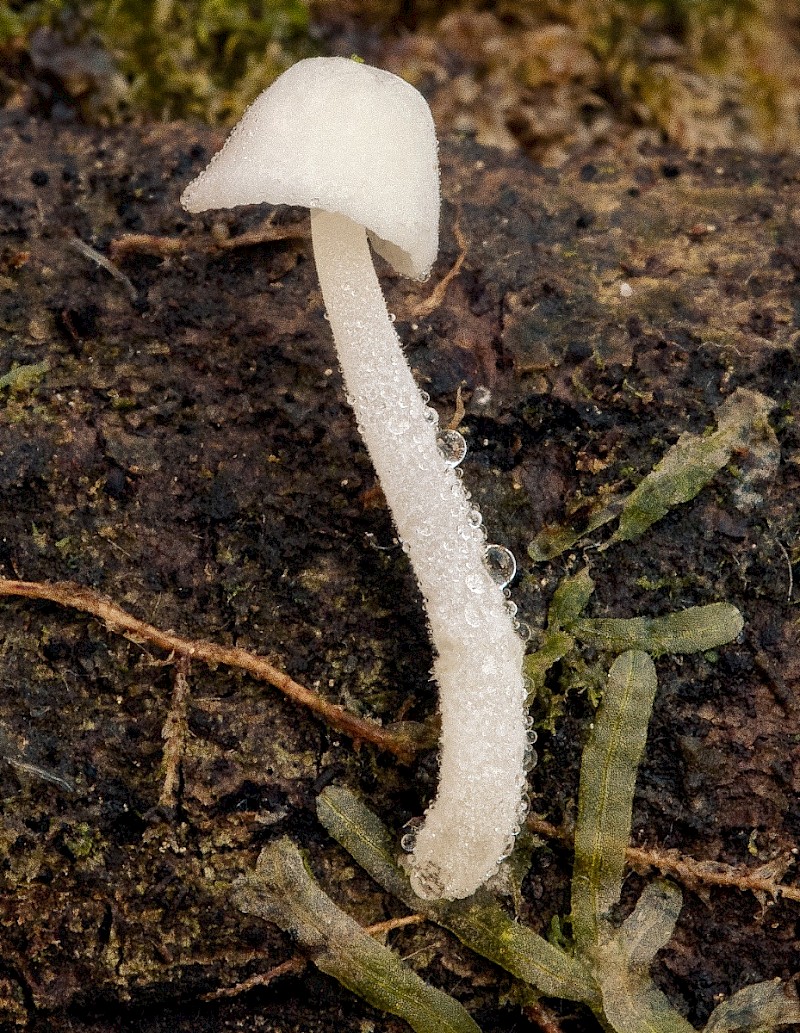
<point x="685" y="869"/>
<point x="297" y="963"/>
<point x="543" y="1017"/>
<point x="40" y="772"/>
<point x="151" y="244"/>
<point x="266" y="235"/>
<point x="437" y="296"/>
<point x="714" y="873"/>
<point x="782" y="547"/>
<point x="400" y="742"/>
<point x="95" y="256"/>
<point x="458" y="415"/>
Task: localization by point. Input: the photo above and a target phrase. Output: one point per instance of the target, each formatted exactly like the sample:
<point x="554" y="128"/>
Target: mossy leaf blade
<point x="483" y="926"/>
<point x="554" y="647"/>
<point x="650" y="925"/>
<point x="693" y="630"/>
<point x="691" y="463"/>
<point x="608" y="778"/>
<point x="632" y="1003"/>
<point x="554" y="539"/>
<point x="570" y="599"/>
<point x="282" y="890"/>
<point x="760" y="1007"/>
<point x="480" y="923"/>
<point x="364" y="836"/>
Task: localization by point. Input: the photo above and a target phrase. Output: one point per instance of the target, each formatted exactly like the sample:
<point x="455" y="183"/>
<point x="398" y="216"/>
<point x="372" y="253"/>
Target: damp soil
<point x="189" y="452"/>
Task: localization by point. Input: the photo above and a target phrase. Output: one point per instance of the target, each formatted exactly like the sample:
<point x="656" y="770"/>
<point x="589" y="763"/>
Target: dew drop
<point x="392" y="317"/>
<point x="326" y="317"/>
<point x="474" y="518"/>
<point x="452" y="446"/>
<point x="425" y="396"/>
<point x="500" y="563"/>
<point x="523" y="630"/>
<point x="409" y="838"/>
<point x="511" y="608"/>
<point x="432" y="416"/>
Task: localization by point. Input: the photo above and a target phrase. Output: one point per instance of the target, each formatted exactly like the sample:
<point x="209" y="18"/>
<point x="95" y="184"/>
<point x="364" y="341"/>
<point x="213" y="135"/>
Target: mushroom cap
<point x="336" y="134"/>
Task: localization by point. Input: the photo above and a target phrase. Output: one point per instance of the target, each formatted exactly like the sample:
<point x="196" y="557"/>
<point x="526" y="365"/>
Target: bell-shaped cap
<point x="336" y="134"/>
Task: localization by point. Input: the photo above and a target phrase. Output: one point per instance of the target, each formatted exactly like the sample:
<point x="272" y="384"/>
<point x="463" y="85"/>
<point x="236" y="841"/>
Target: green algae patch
<point x="205" y="60"/>
<point x="283" y="891"/>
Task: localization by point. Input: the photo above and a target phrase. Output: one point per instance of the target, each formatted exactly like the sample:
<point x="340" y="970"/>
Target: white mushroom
<point x="357" y="146"/>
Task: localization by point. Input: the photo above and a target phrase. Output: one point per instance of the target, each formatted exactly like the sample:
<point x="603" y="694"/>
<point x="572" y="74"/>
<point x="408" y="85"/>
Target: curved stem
<point x="478" y="667"/>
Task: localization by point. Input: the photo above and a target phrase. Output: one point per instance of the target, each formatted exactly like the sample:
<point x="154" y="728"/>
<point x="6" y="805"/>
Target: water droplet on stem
<point x="452" y="446"/>
<point x="500" y="563"/>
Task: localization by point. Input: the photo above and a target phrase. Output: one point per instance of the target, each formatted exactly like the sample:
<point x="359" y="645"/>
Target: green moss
<point x="18" y="20"/>
<point x="206" y="59"/>
<point x="83" y="842"/>
<point x="23" y="378"/>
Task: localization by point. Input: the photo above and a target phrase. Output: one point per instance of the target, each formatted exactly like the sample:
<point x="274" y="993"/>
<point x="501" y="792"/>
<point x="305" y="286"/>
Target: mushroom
<point x="357" y="146"/>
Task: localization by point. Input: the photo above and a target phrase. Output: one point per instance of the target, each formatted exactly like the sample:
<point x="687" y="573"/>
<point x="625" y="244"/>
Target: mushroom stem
<point x="479" y="806"/>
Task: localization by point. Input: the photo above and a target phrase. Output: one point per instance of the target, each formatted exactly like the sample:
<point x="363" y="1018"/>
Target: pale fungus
<point x="357" y="146"/>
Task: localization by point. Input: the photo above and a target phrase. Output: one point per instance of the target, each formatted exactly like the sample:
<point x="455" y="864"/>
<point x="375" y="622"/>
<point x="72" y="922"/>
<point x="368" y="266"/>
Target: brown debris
<point x="174" y="734"/>
<point x="130" y="244"/>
